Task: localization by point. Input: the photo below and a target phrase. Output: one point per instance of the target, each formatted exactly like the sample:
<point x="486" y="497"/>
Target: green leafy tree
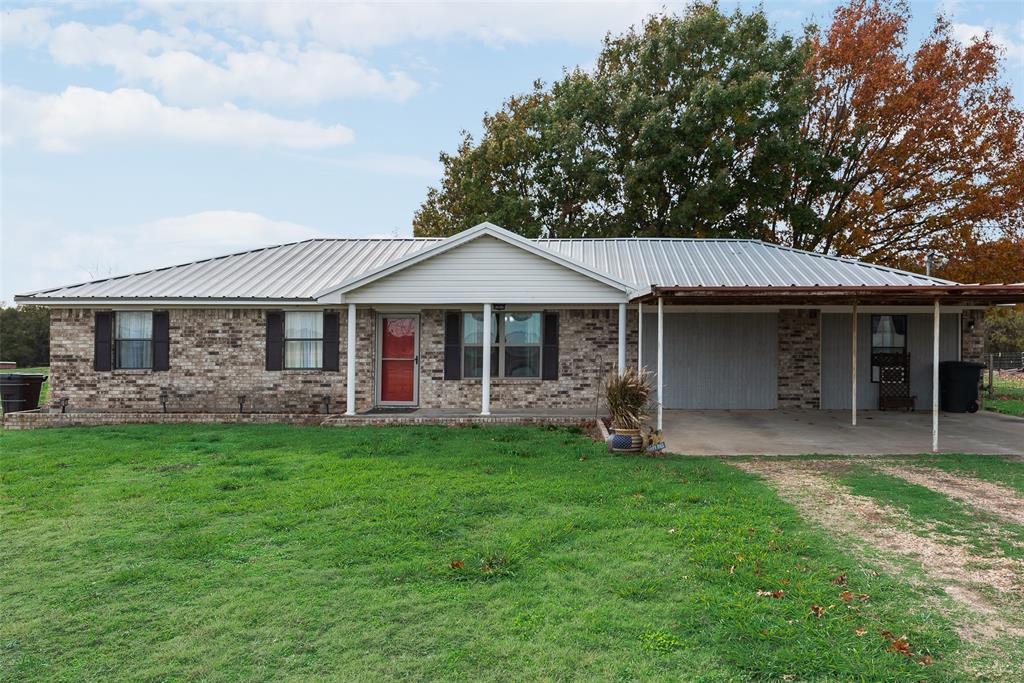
<point x="25" y="335"/>
<point x="689" y="126"/>
<point x="1004" y="330"/>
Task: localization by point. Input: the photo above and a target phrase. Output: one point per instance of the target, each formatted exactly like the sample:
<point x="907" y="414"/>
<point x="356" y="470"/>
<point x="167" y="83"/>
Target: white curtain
<point x="303" y="333"/>
<point x="134" y="333"/>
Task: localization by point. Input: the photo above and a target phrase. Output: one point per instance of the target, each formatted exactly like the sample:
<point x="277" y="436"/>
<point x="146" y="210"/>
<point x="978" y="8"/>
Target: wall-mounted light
<point x="241" y="403"/>
<point x="970" y="324"/>
<point x="64" y="405"/>
<point x="327" y="405"/>
<point x="163" y="400"/>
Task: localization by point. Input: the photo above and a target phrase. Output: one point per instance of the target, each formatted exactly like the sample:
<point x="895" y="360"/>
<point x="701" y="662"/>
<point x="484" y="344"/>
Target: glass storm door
<point x="399" y="359"/>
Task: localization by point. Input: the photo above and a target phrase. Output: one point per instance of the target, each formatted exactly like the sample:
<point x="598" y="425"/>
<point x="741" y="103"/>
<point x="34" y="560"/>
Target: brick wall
<point x="216" y="356"/>
<point x="587" y="352"/>
<point x="972" y="342"/>
<point x="799" y="381"/>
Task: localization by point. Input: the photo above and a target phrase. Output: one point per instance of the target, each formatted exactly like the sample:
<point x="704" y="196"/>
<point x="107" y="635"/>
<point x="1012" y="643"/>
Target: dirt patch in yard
<point x="998" y="500"/>
<point x="969" y="580"/>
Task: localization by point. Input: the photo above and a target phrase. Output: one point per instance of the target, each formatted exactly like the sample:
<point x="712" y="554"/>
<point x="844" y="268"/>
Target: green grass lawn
<point x="1009" y="396"/>
<point x="985" y="534"/>
<point x="423" y="553"/>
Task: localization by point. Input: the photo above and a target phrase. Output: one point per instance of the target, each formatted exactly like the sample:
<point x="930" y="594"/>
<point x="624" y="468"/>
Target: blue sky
<point x="142" y="135"/>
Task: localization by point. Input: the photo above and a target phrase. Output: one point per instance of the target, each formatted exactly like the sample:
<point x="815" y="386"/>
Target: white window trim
<point x="500" y="345"/>
<point x="285" y="339"/>
<point x="115" y="361"/>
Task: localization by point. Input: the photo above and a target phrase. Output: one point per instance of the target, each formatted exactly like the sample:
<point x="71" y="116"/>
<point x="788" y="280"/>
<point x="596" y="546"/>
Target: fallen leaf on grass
<point x="924" y="660"/>
<point x="860" y="631"/>
<point x="457" y="564"/>
<point x="818" y="611"/>
<point x="771" y="594"/>
<point x="839" y="580"/>
<point x="899" y="645"/>
<point x="846" y="596"/>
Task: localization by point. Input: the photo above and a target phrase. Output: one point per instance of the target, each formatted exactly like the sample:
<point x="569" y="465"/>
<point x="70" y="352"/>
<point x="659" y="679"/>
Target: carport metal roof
<point x="892" y="295"/>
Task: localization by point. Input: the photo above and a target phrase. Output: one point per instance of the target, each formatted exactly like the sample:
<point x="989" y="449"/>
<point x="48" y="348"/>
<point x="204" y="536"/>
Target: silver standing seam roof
<point x="300" y="270"/>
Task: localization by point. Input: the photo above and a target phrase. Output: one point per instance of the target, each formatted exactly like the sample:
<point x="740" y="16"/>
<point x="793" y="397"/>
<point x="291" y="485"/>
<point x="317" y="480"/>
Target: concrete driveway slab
<point x="798" y="432"/>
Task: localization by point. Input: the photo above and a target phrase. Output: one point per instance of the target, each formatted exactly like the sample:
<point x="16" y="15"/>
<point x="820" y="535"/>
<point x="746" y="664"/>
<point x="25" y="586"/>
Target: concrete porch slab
<point x="457" y="417"/>
<point x="799" y="432"/>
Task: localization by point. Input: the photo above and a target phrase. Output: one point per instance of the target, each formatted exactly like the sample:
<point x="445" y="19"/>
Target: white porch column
<point x="485" y="377"/>
<point x="350" y="365"/>
<point x="661" y="359"/>
<point x="935" y="379"/>
<point x="640" y="337"/>
<point x="622" y="338"/>
<point x="853" y="364"/>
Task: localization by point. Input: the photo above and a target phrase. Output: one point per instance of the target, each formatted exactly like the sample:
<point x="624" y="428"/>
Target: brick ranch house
<point x="488" y="322"/>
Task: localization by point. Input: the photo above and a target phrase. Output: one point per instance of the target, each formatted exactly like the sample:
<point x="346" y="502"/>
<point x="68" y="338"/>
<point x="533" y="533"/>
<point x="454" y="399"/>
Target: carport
<point x="801" y="432"/>
<point x="723" y="357"/>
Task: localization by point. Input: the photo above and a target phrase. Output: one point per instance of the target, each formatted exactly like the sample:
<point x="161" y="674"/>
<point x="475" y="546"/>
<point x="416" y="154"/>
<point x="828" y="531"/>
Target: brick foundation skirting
<point x="48" y="420"/>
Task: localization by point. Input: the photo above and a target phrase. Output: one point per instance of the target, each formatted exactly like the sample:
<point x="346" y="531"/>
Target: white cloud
<point x="29" y="26"/>
<point x="76" y="256"/>
<point x="274" y="72"/>
<point x="1011" y="40"/>
<point x="79" y="116"/>
<point x="362" y="26"/>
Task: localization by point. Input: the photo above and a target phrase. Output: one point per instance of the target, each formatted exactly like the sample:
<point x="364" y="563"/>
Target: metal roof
<point x="647" y="262"/>
<point x="300" y="270"/>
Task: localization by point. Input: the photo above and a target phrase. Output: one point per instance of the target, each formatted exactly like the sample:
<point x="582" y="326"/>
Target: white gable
<point x="483" y="270"/>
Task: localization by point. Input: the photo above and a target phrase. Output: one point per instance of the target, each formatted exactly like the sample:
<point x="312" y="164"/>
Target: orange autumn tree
<point x="926" y="149"/>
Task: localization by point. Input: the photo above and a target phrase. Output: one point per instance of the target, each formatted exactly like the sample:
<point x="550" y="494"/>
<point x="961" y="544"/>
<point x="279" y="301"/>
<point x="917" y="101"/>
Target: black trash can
<point x="33" y="385"/>
<point x="958" y="386"/>
<point x="20" y="392"/>
<point x="13" y="392"/>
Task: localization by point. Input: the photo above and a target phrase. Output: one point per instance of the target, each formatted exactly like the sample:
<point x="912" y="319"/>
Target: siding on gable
<point x="486" y="270"/>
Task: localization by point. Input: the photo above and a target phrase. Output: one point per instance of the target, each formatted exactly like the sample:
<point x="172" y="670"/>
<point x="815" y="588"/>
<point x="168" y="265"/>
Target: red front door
<point x="399" y="357"/>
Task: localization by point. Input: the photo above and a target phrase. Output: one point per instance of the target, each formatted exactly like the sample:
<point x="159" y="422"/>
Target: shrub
<point x="629" y="398"/>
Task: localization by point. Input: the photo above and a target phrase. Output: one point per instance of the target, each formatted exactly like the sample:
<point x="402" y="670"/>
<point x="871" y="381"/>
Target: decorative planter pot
<point x="625" y="440"/>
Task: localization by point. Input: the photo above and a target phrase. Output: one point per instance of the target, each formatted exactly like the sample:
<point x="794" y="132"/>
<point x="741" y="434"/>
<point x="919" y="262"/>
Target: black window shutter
<point x="549" y="355"/>
<point x="102" y="349"/>
<point x="453" y="345"/>
<point x="161" y="340"/>
<point x="275" y="340"/>
<point x="332" y="340"/>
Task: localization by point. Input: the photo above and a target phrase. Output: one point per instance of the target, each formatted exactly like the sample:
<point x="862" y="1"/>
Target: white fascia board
<point x="461" y="238"/>
<point x="72" y="302"/>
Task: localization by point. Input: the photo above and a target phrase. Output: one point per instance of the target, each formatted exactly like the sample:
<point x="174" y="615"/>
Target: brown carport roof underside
<point x="948" y="295"/>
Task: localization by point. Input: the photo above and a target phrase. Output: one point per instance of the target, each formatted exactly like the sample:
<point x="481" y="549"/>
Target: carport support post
<point x="853" y="365"/>
<point x="485" y="375"/>
<point x="935" y="379"/>
<point x="661" y="359"/>
<point x="622" y="338"/>
<point x="640" y="337"/>
<point x="350" y="364"/>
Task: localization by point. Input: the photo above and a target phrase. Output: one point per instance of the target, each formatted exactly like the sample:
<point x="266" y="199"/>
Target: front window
<point x="303" y="340"/>
<point x="888" y="337"/>
<point x="515" y="344"/>
<point x="133" y="340"/>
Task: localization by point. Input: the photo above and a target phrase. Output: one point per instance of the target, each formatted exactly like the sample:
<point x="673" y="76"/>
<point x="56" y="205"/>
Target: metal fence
<point x="1006" y="360"/>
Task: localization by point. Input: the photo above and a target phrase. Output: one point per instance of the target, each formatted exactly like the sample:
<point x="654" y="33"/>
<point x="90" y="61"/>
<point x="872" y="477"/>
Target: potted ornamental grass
<point x="629" y="400"/>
